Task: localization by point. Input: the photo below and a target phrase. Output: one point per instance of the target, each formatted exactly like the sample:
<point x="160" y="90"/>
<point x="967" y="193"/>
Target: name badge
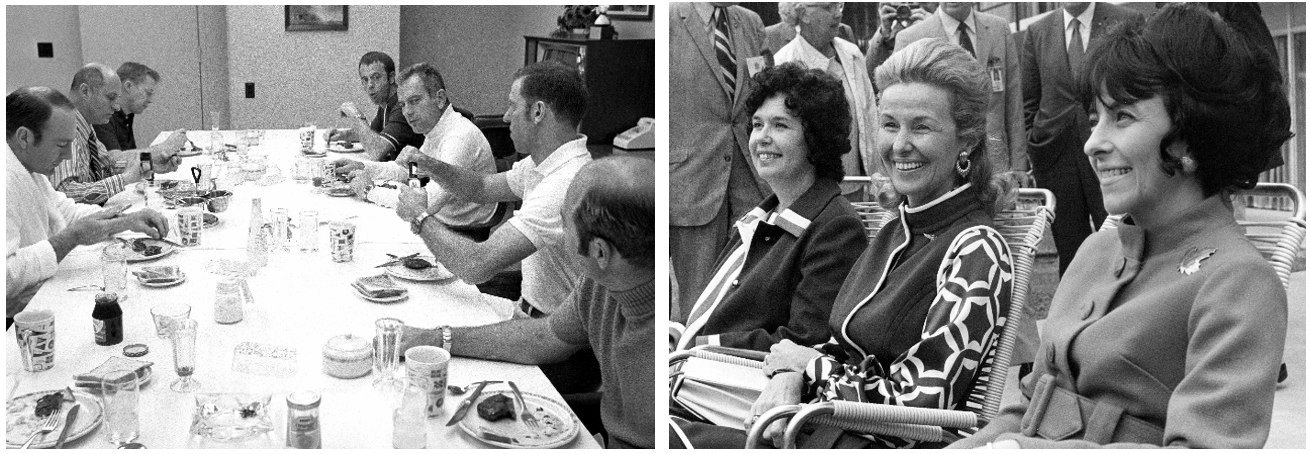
<point x="998" y="79"/>
<point x="755" y="65"/>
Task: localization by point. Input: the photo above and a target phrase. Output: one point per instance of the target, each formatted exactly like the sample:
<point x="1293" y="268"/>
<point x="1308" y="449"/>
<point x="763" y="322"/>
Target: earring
<point x="1189" y="164"/>
<point x="963" y="170"/>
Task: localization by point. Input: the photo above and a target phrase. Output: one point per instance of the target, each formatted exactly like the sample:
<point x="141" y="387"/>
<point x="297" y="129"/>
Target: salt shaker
<point x="303" y="420"/>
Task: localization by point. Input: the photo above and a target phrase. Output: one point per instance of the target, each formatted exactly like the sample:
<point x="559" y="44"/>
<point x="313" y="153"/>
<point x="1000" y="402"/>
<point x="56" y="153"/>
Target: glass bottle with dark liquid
<point x="414" y="175"/>
<point x="107" y="319"/>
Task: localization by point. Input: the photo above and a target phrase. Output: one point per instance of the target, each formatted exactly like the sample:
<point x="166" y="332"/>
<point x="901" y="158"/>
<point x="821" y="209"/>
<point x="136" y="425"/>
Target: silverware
<point x="493" y="436"/>
<point x="525" y="415"/>
<point x="47" y="426"/>
<point x="466" y="405"/>
<point x="458" y="391"/>
<point x="396" y="260"/>
<point x="69" y="418"/>
<point x="85" y="288"/>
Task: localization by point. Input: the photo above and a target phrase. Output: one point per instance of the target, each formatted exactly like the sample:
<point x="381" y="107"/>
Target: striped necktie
<point x="98" y="167"/>
<point x="724" y="52"/>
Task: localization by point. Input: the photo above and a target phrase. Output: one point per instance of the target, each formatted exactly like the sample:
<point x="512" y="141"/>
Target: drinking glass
<point x="386" y="351"/>
<point x="307" y="232"/>
<point x="113" y="267"/>
<point x="409" y="419"/>
<point x="120" y="396"/>
<point x="301" y="171"/>
<point x="281" y="233"/>
<point x="184" y="356"/>
<point x="168" y="315"/>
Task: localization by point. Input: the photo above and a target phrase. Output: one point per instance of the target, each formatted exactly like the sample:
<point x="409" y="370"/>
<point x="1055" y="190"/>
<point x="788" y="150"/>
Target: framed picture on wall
<point x="629" y="12"/>
<point x="316" y="17"/>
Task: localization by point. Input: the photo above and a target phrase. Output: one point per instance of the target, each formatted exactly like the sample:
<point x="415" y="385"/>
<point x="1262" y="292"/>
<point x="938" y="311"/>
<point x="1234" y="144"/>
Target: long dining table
<point x="300" y="301"/>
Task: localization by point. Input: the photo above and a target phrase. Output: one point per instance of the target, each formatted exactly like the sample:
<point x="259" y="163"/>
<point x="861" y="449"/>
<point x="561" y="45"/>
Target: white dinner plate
<point x="435" y="273"/>
<point x="21" y="420"/>
<point x="558" y="425"/>
<point x="134" y="256"/>
<point x="354" y="147"/>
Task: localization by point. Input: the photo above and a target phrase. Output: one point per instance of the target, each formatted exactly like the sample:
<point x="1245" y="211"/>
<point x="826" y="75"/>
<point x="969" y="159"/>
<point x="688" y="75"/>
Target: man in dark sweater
<point x="609" y="217"/>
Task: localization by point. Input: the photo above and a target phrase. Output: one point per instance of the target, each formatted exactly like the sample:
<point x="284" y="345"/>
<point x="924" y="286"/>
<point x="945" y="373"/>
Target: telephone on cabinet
<point x="638" y="137"/>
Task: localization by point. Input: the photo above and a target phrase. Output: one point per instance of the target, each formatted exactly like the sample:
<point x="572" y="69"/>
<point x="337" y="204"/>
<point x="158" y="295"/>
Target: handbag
<point x="716" y="392"/>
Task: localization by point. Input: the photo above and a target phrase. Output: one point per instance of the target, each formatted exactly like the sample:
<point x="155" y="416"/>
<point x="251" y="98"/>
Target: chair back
<point x="1276" y="231"/>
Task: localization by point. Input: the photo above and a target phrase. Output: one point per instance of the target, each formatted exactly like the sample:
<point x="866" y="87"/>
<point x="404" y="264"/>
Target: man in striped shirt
<point x="89" y="176"/>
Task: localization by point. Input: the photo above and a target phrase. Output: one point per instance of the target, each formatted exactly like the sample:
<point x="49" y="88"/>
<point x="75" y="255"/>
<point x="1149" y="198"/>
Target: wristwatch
<point x="446" y="338"/>
<point x="416" y="225"/>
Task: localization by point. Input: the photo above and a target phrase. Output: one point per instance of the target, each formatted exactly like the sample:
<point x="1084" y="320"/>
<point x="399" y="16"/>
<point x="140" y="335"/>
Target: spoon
<point x="456" y="390"/>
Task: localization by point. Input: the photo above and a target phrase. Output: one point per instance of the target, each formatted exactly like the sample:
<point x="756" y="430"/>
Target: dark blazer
<point x="708" y="129"/>
<point x="790" y="276"/>
<point x="996" y="47"/>
<point x="1056" y="123"/>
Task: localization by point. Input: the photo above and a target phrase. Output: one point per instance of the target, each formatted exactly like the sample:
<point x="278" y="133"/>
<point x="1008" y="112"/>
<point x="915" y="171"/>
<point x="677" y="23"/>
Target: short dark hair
<point x="136" y="72"/>
<point x="92" y="74"/>
<point x="558" y="85"/>
<point x="432" y="79"/>
<point x="622" y="214"/>
<point x="31" y="107"/>
<point x="816" y="98"/>
<point x="1226" y="99"/>
<point x="379" y="57"/>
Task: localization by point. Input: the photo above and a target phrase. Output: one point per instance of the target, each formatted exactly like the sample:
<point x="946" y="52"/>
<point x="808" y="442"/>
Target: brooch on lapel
<point x="1193" y="260"/>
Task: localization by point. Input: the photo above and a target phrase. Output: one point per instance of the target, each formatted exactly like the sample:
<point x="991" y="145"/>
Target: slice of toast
<point x="114" y="363"/>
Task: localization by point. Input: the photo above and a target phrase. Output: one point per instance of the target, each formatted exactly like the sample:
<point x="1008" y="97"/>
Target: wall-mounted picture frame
<point x="300" y="18"/>
<point x="630" y="12"/>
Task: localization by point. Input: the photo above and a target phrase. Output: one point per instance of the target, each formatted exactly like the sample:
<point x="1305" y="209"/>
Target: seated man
<point x="89" y="175"/>
<point x="389" y="132"/>
<point x="44" y="225"/>
<point x="448" y="137"/>
<point x="609" y="214"/>
<point x="139" y="83"/>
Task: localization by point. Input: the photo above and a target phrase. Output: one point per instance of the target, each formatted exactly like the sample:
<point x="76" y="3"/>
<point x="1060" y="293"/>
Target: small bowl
<point x="218" y="200"/>
<point x="183" y="202"/>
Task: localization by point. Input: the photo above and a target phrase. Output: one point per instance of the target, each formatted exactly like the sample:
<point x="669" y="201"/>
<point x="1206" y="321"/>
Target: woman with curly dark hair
<point x="1168" y="330"/>
<point x="914" y="319"/>
<point x="776" y="279"/>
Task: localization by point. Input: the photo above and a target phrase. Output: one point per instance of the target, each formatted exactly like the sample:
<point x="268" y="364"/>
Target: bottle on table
<point x="303" y="420"/>
<point x="107" y="319"/>
<point x="414" y="175"/>
<point x="257" y="253"/>
<point x="228" y="300"/>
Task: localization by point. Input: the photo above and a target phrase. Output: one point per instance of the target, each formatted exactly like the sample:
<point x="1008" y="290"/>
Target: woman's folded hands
<point x="783" y="389"/>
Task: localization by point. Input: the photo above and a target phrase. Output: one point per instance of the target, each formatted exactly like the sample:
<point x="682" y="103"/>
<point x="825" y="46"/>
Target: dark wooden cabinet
<point x="620" y="78"/>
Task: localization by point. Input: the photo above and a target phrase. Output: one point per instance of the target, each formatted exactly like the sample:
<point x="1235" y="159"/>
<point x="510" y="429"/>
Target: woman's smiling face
<point x="1124" y="149"/>
<point x="778" y="143"/>
<point x="918" y="141"/>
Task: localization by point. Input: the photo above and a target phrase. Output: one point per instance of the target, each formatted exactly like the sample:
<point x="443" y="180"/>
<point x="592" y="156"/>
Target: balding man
<point x="609" y="220"/>
<point x="42" y="225"/>
<point x="89" y="175"/>
<point x="139" y="84"/>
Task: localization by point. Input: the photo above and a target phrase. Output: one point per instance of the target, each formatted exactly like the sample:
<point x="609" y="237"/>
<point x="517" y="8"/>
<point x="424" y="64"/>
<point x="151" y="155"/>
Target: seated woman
<point x="776" y="279"/>
<point x="1169" y="330"/>
<point x="914" y="318"/>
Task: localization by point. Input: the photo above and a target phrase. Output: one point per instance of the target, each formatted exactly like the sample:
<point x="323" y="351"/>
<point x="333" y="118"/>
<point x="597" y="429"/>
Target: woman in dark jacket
<point x="1169" y="329"/>
<point x="914" y="319"/>
<point x="777" y="277"/>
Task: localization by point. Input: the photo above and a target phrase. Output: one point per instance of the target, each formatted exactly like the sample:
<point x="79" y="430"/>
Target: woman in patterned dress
<point x="913" y="317"/>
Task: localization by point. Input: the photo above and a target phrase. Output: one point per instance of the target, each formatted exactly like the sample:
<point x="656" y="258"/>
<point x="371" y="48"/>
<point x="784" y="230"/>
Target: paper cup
<point x="427" y="365"/>
<point x="35" y="330"/>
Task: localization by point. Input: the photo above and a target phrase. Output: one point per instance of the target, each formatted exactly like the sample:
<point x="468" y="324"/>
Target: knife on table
<point x="466" y="405"/>
<point x="68" y="418"/>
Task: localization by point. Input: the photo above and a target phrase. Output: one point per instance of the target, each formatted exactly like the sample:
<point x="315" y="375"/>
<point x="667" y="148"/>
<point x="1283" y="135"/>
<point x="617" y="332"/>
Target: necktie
<point x="724" y="52"/>
<point x="96" y="165"/>
<point x="965" y="38"/>
<point x="1076" y="48"/>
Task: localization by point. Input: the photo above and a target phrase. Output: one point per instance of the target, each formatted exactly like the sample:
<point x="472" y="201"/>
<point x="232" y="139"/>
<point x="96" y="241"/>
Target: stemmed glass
<point x="184" y="356"/>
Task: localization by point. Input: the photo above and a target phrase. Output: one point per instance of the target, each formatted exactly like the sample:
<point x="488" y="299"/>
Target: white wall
<point x="301" y="76"/>
<point x="27" y="25"/>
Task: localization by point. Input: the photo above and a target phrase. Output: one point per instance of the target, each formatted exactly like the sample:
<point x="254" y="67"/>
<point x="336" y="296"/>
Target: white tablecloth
<point x="301" y="300"/>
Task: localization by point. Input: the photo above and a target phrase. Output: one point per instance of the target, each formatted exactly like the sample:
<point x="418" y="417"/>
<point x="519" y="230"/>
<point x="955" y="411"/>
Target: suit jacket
<point x="1056" y="123"/>
<point x="708" y="128"/>
<point x="995" y="48"/>
<point x="858" y="90"/>
<point x="780" y="34"/>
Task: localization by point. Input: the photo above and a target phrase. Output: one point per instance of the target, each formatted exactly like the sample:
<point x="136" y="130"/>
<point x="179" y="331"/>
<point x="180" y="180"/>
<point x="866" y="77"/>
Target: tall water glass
<point x="120" y="396"/>
<point x="113" y="268"/>
<point x="386" y="351"/>
<point x="307" y="231"/>
<point x="280" y="218"/>
<point x="184" y="356"/>
<point x="409" y="418"/>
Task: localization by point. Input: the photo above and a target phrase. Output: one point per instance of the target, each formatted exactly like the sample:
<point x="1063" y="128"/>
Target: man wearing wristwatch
<point x="609" y="220"/>
<point x="384" y="138"/>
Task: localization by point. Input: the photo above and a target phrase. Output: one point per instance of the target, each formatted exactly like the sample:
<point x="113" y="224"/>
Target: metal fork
<point x="526" y="415"/>
<point x="48" y="426"/>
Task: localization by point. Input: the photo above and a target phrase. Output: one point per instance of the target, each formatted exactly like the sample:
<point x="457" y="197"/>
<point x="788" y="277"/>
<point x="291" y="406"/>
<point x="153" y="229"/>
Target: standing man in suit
<point x="714" y="49"/>
<point x="989" y="39"/>
<point x="1054" y="51"/>
<point x="778" y="35"/>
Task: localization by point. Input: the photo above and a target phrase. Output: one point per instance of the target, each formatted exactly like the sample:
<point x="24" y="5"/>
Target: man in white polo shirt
<point x="547" y="102"/>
